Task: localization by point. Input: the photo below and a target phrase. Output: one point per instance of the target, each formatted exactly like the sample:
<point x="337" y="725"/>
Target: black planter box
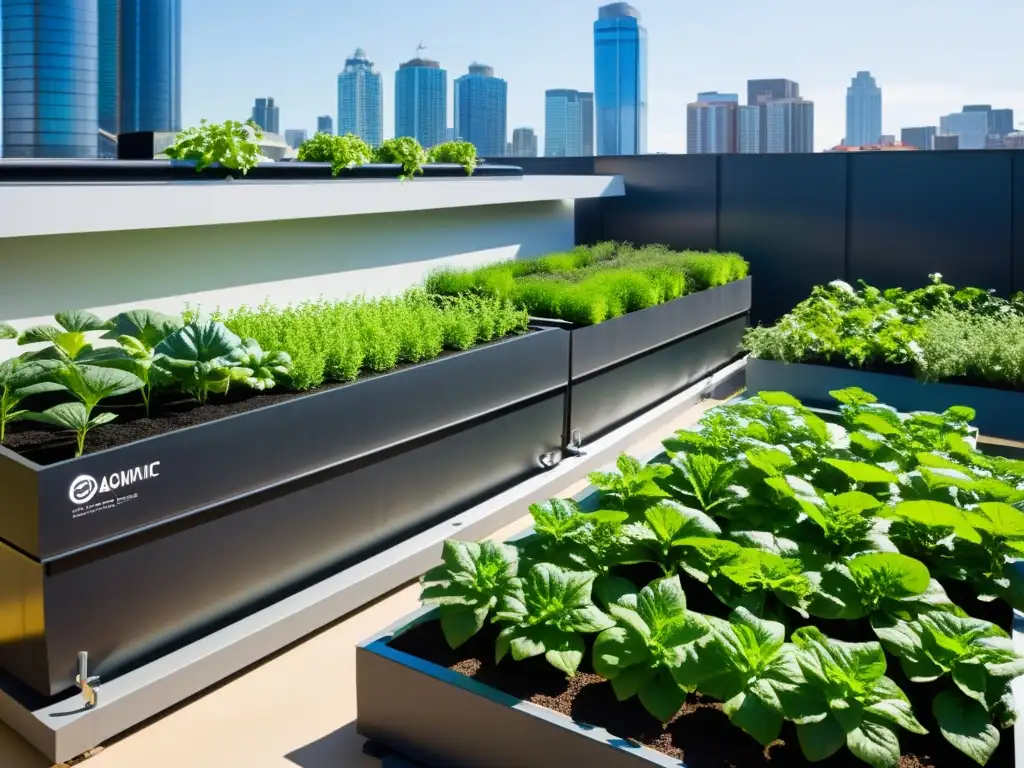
<point x="227" y="515"/>
<point x="626" y="365"/>
<point x="1000" y="412"/>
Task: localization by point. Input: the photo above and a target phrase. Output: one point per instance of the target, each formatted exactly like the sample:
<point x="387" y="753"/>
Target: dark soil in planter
<point x="169" y="412"/>
<point x="906" y="370"/>
<point x="700" y="734"/>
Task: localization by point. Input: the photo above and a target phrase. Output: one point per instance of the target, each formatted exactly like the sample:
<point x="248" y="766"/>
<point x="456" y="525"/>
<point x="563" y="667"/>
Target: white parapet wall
<point x="110" y="247"/>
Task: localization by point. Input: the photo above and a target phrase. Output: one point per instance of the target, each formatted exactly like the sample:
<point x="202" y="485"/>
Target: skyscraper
<point x="524" y="142"/>
<point x="109" y="85"/>
<point x="568" y="123"/>
<point x="922" y="137"/>
<point x="863" y="111"/>
<point x="150" y="65"/>
<point x="421" y="101"/>
<point x="266" y="115"/>
<point x="971" y="126"/>
<point x="1000" y="121"/>
<point x="711" y="124"/>
<point x="620" y="80"/>
<point x="771" y="88"/>
<point x="324" y="124"/>
<point x="748" y="129"/>
<point x="361" y="100"/>
<point x="481" y="110"/>
<point x="50" y="87"/>
<point x="790" y="126"/>
<point x="294" y="137"/>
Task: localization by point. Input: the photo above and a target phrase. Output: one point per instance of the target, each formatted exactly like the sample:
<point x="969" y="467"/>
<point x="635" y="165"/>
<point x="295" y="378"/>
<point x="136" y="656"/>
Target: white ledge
<point x="57" y="209"/>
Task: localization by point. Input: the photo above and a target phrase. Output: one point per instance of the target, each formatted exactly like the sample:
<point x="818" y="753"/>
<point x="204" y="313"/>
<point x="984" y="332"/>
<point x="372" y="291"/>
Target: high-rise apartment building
<point x="921" y="137"/>
<point x="524" y="142"/>
<point x="50" y="62"/>
<point x="620" y="80"/>
<point x="324" y="124"/>
<point x="971" y="128"/>
<point x="568" y="123"/>
<point x="266" y="115"/>
<point x="421" y="101"/>
<point x="481" y="110"/>
<point x="711" y="124"/>
<point x="790" y="126"/>
<point x="361" y="100"/>
<point x="150" y="65"/>
<point x="748" y="129"/>
<point x="863" y="111"/>
<point x="294" y="137"/>
<point x="760" y="93"/>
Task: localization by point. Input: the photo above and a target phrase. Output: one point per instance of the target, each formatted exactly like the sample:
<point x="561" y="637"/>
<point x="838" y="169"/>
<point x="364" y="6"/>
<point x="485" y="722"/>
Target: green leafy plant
<point x="469" y="585"/>
<point x="547" y="614"/>
<point x="68" y="340"/>
<point x="137" y="332"/>
<point x="459" y="152"/>
<point x="89" y="385"/>
<point x="21" y="378"/>
<point x="7" y="331"/>
<point x="404" y="151"/>
<point x="633" y="488"/>
<point x="198" y="358"/>
<point x="645" y="653"/>
<point x="342" y="152"/>
<point x="231" y="144"/>
<point x="857" y="704"/>
<point x="257" y="369"/>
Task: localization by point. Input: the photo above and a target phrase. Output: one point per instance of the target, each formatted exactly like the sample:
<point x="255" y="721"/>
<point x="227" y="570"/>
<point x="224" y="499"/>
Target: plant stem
<point x="81" y="441"/>
<point x="145" y="397"/>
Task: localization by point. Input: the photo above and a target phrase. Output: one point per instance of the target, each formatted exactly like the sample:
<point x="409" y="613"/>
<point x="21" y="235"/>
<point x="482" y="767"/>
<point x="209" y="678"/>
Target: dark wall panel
<point x="561" y="166"/>
<point x="1018" y="221"/>
<point x="786" y="214"/>
<point x="914" y="213"/>
<point x="670" y="199"/>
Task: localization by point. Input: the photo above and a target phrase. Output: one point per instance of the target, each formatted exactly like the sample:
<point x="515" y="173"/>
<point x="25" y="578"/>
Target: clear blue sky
<point x="929" y="56"/>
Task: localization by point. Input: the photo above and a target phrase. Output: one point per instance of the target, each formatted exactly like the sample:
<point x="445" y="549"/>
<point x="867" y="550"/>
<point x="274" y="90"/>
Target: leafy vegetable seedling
<point x="259" y="370"/>
<point x="469" y="584"/>
<point x="19" y="378"/>
<point x="404" y="151"/>
<point x="547" y="614"/>
<point x="68" y="340"/>
<point x="633" y="489"/>
<point x="198" y="358"/>
<point x="232" y="144"/>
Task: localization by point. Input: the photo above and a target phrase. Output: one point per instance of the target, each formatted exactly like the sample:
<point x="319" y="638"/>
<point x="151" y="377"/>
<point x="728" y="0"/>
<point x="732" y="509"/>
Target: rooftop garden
<point x="594" y="283"/>
<point x="836" y="590"/>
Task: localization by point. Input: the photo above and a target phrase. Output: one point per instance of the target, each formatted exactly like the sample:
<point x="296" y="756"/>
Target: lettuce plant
<point x="257" y="369"/>
<point x="981" y="661"/>
<point x="7" y="331"/>
<point x="198" y="358"/>
<point x="633" y="488"/>
<point x="21" y="377"/>
<point x="643" y="654"/>
<point x="342" y="152"/>
<point x="406" y="152"/>
<point x="67" y="339"/>
<point x="89" y="385"/>
<point x="231" y="144"/>
<point x="856" y="705"/>
<point x="547" y="613"/>
<point x="667" y="529"/>
<point x="469" y="585"/>
<point x="461" y="152"/>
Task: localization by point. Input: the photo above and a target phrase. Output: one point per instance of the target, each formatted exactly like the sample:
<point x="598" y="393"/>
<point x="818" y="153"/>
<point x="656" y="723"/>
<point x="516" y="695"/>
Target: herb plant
<point x="404" y="151"/>
<point x="460" y="152"/>
<point x="342" y="152"/>
<point x="231" y="144"/>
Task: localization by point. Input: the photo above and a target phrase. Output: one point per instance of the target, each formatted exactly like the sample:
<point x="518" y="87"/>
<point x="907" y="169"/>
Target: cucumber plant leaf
<point x="546" y="613"/>
<point x="73" y="417"/>
<point x="68" y="340"/>
<point x="197" y="358"/>
<point x="20" y="378"/>
<point x="469" y="584"/>
<point x="144" y="325"/>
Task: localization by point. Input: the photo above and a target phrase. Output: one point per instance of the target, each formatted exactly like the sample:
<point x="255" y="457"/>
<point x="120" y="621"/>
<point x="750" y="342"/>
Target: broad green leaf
<point x="627" y="683"/>
<point x="853" y="501"/>
<point x="7" y="331"/>
<point x="746" y="712"/>
<point x="611" y="589"/>
<point x="92" y="383"/>
<point x="564" y="650"/>
<point x="771" y="461"/>
<point x="671" y="521"/>
<point x="999" y="519"/>
<point x="875" y="423"/>
<point x="820" y="740"/>
<point x="143" y="325"/>
<point x="198" y="343"/>
<point x="556" y="518"/>
<point x="662" y="601"/>
<point x="852" y="396"/>
<point x="37" y="334"/>
<point x="617" y="649"/>
<point x="662" y="696"/>
<point x="779" y="398"/>
<point x="79" y="321"/>
<point x="889" y="574"/>
<point x="875" y="743"/>
<point x="829" y="662"/>
<point x="889" y="702"/>
<point x="459" y="623"/>
<point x="71" y="416"/>
<point x="965" y="724"/>
<point x="936" y="514"/>
<point x="860" y="472"/>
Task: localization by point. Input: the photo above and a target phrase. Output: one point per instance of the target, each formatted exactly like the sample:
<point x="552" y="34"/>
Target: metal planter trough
<point x="1000" y="412"/>
<point x="130" y="552"/>
<point x="626" y="365"/>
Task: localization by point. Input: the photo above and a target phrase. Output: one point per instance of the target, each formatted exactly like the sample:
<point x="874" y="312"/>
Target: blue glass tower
<point x="481" y="110"/>
<point x="150" y="65"/>
<point x="109" y="75"/>
<point x="50" y="78"/>
<point x="361" y="100"/>
<point x="421" y="101"/>
<point x="620" y="80"/>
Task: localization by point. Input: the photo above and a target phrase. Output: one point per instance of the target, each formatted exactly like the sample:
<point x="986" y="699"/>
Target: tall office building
<point x="1000" y="121"/>
<point x="568" y="123"/>
<point x="50" y="62"/>
<point x="266" y="115"/>
<point x="971" y="128"/>
<point x="762" y="92"/>
<point x="294" y="137"/>
<point x="361" y="100"/>
<point x="943" y="141"/>
<point x="524" y="142"/>
<point x="109" y="77"/>
<point x="790" y="126"/>
<point x="324" y="124"/>
<point x="748" y="129"/>
<point x="150" y="65"/>
<point x="711" y="124"/>
<point x="481" y="110"/>
<point x="421" y="101"/>
<point x="921" y="137"/>
<point x="863" y="111"/>
<point x="620" y="80"/>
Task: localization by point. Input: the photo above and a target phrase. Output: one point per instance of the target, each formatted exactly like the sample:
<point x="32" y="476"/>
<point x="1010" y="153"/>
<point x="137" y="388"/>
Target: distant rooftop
<point x="418" y="62"/>
<point x="481" y="69"/>
<point x="617" y="11"/>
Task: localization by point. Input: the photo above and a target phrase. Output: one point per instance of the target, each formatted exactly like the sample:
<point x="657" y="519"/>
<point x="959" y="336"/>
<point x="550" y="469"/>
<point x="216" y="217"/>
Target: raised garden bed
<point x="126" y="551"/>
<point x="527" y="711"/>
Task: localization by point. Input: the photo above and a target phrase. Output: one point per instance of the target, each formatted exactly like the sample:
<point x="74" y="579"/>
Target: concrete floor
<point x="294" y="710"/>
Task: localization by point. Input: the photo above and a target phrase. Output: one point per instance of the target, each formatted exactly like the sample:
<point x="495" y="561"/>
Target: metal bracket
<point x="575" y="441"/>
<point x="87" y="685"/>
